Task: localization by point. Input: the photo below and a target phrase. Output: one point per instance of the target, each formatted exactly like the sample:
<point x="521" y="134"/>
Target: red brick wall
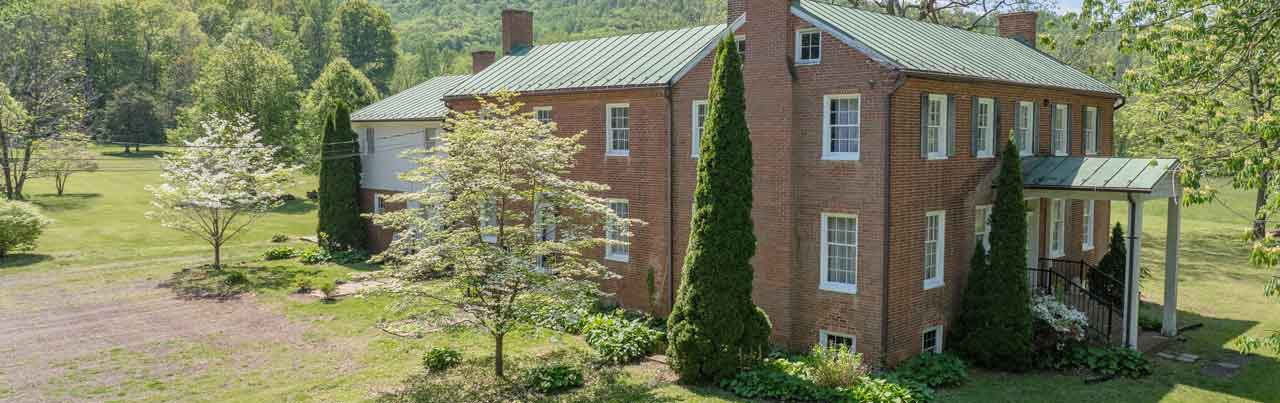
<point x="1018" y="25"/>
<point x="956" y="185"/>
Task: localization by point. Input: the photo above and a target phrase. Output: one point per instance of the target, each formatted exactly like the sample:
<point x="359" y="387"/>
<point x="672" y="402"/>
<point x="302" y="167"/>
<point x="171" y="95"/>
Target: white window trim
<point x="941" y="154"/>
<point x="940" y="248"/>
<point x="823" y="284"/>
<point x="937" y="343"/>
<point x="1090" y="130"/>
<point x="379" y="204"/>
<point x="612" y="256"/>
<point x="695" y="138"/>
<point x="989" y="136"/>
<point x="822" y="338"/>
<point x="542" y="109"/>
<point x="827" y="154"/>
<point x="1026" y="139"/>
<point x="1086" y="226"/>
<point x="739" y="41"/>
<point x="1063" y="128"/>
<point x="799" y="49"/>
<point x="1057" y="233"/>
<point x="986" y="239"/>
<point x="608" y="130"/>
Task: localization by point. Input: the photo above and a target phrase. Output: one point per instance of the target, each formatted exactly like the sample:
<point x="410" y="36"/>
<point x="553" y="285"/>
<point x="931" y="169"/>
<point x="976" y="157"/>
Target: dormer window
<point x="808" y="46"/>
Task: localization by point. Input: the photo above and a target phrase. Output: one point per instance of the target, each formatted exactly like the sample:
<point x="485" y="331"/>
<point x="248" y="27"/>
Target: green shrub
<point x="920" y="392"/>
<point x="328" y="289"/>
<point x="618" y="339"/>
<point x="20" y="225"/>
<point x="836" y="367"/>
<point x="878" y="390"/>
<point x="779" y="379"/>
<point x="279" y="253"/>
<point x="234" y="278"/>
<point x="1107" y="361"/>
<point x="348" y="256"/>
<point x="279" y="238"/>
<point x="440" y="359"/>
<point x="552" y="313"/>
<point x="303" y="285"/>
<point x="313" y="255"/>
<point x="934" y="370"/>
<point x="553" y="378"/>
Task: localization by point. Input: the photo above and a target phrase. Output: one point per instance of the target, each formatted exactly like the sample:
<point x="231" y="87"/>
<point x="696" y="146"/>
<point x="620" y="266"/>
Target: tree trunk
<point x="217" y="256"/>
<point x="497" y="354"/>
<point x="1260" y="218"/>
<point x="60" y="182"/>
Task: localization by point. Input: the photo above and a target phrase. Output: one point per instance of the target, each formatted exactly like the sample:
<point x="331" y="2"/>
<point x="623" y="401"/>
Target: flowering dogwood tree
<point x="219" y="184"/>
<point x="501" y="219"/>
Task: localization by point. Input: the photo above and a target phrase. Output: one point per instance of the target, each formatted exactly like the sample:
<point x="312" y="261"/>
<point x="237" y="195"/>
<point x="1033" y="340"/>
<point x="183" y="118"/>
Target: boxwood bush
<point x="20" y="225"/>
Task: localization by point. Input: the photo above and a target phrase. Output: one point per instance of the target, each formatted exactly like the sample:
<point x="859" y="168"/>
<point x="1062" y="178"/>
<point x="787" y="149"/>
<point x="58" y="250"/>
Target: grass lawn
<point x="83" y="318"/>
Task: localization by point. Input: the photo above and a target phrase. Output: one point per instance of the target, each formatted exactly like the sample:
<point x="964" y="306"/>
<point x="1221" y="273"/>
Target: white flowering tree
<point x="219" y="184"/>
<point x="502" y="222"/>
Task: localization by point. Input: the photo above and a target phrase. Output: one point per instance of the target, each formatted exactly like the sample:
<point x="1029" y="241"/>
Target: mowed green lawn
<point x="103" y="257"/>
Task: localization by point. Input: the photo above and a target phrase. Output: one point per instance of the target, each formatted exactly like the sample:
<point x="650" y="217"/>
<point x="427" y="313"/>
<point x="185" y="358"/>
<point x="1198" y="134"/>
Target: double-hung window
<point x="618" y="129"/>
<point x="379" y="204"/>
<point x="934" y="248"/>
<point x="984" y="134"/>
<point x="1057" y="227"/>
<point x="741" y="41"/>
<point x="1087" y="221"/>
<point x="543" y="114"/>
<point x="833" y="339"/>
<point x="369" y="141"/>
<point x="936" y="126"/>
<point x="808" y="46"/>
<point x="1061" y="141"/>
<point x="839" y="253"/>
<point x="618" y="248"/>
<point x="982" y="226"/>
<point x="699" y="122"/>
<point x="1026" y="128"/>
<point x="841" y="127"/>
<point x="544" y="218"/>
<point x="931" y="340"/>
<point x="489" y="221"/>
<point x="1090" y="126"/>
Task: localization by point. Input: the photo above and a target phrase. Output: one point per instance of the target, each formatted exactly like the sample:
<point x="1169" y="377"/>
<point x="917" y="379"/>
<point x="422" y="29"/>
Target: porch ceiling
<point x="1102" y="177"/>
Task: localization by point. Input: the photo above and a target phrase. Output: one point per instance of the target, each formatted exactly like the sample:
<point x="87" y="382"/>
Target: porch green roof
<point x="923" y="47"/>
<point x="421" y="102"/>
<point x="1134" y="175"/>
<point x="647" y="59"/>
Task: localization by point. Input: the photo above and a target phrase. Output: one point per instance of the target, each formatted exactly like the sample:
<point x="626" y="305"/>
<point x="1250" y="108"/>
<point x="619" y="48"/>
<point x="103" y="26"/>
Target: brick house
<point x="874" y="141"/>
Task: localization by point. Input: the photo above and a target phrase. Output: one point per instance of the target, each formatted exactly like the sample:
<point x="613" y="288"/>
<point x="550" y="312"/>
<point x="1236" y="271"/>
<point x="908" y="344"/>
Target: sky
<point x="1069" y="5"/>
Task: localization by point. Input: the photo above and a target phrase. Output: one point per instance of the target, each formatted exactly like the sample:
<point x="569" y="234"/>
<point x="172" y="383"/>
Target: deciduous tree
<point x="715" y="329"/>
<point x="500" y="202"/>
<point x="220" y="183"/>
<point x="59" y="157"/>
<point x="366" y="37"/>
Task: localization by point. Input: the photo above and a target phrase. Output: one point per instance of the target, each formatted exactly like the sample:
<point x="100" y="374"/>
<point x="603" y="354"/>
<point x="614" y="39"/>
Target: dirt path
<point x="57" y="320"/>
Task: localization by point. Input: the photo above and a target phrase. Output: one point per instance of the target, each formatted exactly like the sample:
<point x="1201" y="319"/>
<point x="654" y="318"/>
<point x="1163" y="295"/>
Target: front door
<point x="1033" y="237"/>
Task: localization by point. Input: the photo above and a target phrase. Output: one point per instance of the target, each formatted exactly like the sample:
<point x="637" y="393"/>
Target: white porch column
<point x="1169" y="326"/>
<point x="1132" y="271"/>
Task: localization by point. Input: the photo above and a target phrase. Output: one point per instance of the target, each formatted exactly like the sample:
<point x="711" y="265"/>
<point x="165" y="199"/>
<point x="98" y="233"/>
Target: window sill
<point x="808" y="62"/>
<point x="1055" y="255"/>
<point x="1025" y="154"/>
<point x="1091" y="154"/>
<point x="985" y="156"/>
<point x="840" y="288"/>
<point x="931" y="284"/>
<point x="618" y="258"/>
<point x="1086" y="248"/>
<point x="937" y="157"/>
<point x="618" y="154"/>
<point x="841" y="156"/>
<point x="1061" y="154"/>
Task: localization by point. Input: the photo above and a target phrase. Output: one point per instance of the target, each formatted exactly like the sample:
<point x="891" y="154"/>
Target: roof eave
<point x="376" y="120"/>
<point x="555" y="91"/>
<point x="964" y="77"/>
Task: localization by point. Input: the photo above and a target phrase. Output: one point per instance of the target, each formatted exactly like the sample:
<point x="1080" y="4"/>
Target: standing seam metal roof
<point x="421" y="102"/>
<point x="652" y="58"/>
<point x="1096" y="173"/>
<point x="931" y="48"/>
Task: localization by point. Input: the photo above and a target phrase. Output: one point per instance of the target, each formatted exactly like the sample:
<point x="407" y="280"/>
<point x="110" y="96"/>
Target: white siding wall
<point x="382" y="167"/>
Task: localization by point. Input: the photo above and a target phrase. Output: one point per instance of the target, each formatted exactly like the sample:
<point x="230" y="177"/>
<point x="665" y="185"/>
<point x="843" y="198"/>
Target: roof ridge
<point x="576" y="41"/>
<point x="888" y="17"/>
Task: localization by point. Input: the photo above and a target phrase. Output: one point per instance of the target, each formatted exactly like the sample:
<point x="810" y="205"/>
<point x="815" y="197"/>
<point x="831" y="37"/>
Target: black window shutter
<point x="924" y="125"/>
<point x="974" y="135"/>
<point x="1066" y="124"/>
<point x="1035" y="128"/>
<point x="1097" y="130"/>
<point x="995" y="126"/>
<point x="951" y="125"/>
<point x="1017" y="120"/>
<point x="369" y="141"/>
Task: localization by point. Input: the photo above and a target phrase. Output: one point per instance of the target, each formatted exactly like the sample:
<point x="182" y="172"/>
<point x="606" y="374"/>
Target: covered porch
<point x="1133" y="181"/>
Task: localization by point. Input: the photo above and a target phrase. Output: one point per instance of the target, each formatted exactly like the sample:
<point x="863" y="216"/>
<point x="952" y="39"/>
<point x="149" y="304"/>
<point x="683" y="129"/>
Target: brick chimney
<point x="517" y="30"/>
<point x="1020" y="26"/>
<point x="735" y="8"/>
<point x="481" y="59"/>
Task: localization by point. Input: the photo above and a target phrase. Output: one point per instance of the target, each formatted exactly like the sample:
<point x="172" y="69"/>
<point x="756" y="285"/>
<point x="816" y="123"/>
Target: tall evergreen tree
<point x="1108" y="279"/>
<point x="994" y="327"/>
<point x="340" y="184"/>
<point x="715" y="329"/>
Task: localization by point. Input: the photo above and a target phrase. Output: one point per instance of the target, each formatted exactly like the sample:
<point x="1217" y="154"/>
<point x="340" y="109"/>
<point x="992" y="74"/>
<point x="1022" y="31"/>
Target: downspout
<point x="884" y="258"/>
<point x="671" y="197"/>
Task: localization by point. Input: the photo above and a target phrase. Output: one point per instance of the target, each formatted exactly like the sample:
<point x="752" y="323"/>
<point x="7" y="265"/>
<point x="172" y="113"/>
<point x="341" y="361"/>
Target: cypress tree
<point x="715" y="329"/>
<point x="340" y="184"/>
<point x="1108" y="279"/>
<point x="995" y="324"/>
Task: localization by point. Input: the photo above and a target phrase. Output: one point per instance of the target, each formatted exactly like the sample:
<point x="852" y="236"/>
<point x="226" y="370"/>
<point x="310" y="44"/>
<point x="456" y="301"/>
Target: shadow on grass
<point x="53" y="203"/>
<point x="296" y="206"/>
<point x="204" y="282"/>
<point x="136" y="154"/>
<point x="22" y="259"/>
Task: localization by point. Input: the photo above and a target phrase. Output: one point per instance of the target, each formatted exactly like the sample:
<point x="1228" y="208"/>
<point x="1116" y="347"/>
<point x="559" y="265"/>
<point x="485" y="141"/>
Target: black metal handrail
<point x="1101" y="314"/>
<point x="1084" y="274"/>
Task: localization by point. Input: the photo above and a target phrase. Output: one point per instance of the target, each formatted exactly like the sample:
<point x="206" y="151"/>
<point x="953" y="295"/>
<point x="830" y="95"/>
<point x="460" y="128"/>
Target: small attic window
<point x="808" y="46"/>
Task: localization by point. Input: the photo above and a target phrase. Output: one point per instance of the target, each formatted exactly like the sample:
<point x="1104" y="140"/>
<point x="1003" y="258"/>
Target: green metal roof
<point x="422" y="102"/>
<point x="1141" y="175"/>
<point x="654" y="58"/>
<point x="917" y="46"/>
